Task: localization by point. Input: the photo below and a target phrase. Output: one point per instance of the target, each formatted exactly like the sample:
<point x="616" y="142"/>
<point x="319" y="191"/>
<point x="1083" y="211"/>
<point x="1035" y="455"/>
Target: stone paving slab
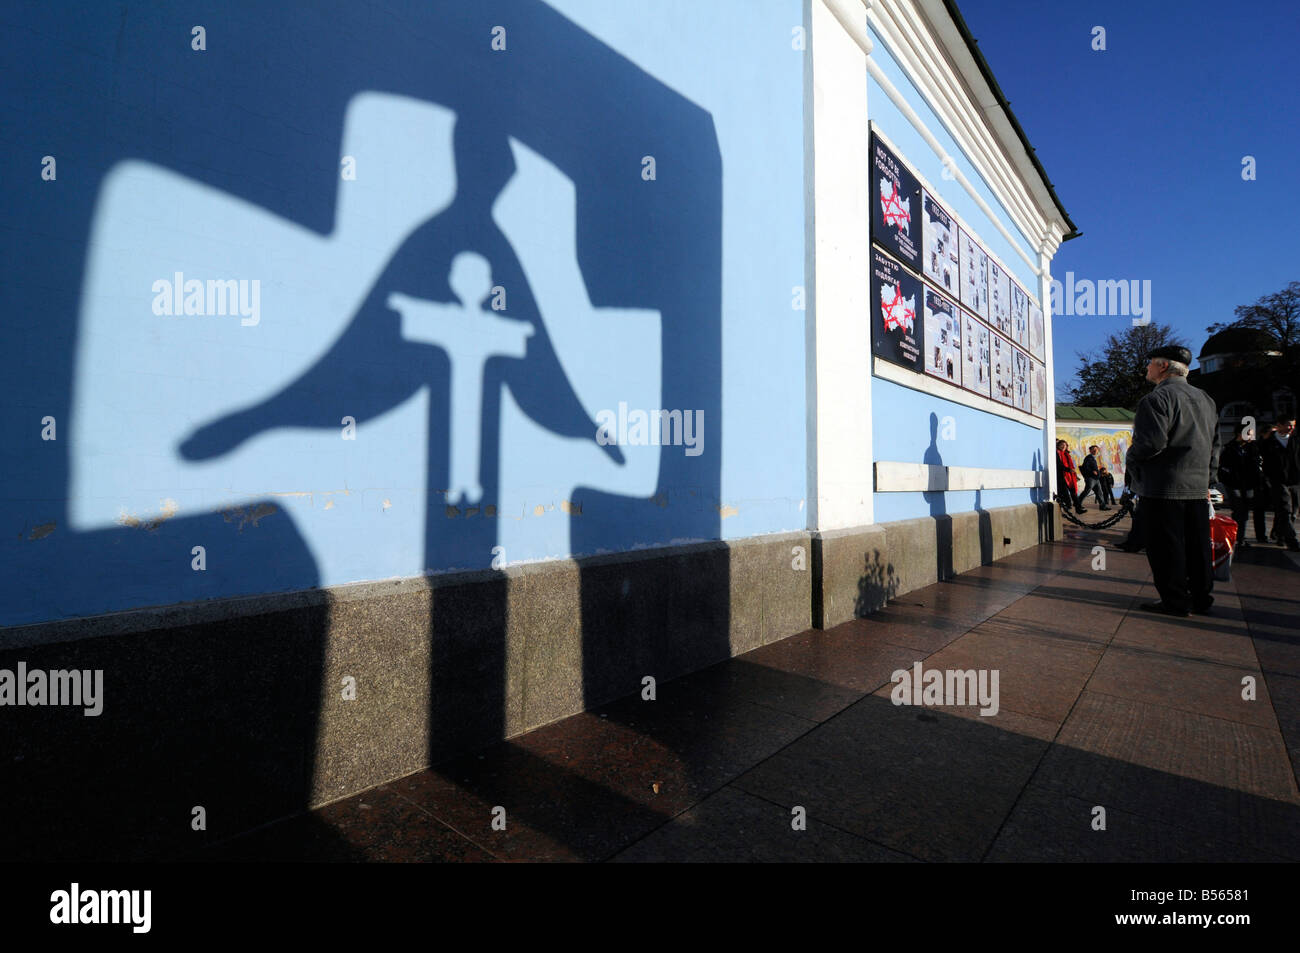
<point x="1100" y="704"/>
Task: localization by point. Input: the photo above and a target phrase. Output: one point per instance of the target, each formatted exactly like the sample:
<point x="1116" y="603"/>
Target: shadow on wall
<point x="939" y="507"/>
<point x="877" y="585"/>
<point x="985" y="529"/>
<point x="207" y="701"/>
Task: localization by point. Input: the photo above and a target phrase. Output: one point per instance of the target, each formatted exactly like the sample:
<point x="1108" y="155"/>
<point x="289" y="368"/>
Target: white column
<point x="838" y="317"/>
<point x="1049" y="425"/>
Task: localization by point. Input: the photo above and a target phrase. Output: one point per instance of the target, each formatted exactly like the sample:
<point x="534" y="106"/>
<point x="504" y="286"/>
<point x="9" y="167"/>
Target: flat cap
<point x="1172" y="352"/>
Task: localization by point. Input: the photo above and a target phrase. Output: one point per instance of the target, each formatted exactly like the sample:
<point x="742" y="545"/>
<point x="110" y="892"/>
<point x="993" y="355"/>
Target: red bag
<point x="1223" y="540"/>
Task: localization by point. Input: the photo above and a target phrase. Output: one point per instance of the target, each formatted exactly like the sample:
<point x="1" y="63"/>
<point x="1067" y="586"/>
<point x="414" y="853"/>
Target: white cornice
<point x="929" y="48"/>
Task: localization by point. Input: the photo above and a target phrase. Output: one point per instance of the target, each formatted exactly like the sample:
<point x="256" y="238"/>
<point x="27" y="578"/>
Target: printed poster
<point x="999" y="298"/>
<point x="1004" y="372"/>
<point x="1019" y="311"/>
<point x="942" y="338"/>
<point x="1037" y="333"/>
<point x="896" y="294"/>
<point x="940" y="264"/>
<point x="895" y="207"/>
<point x="975" y="356"/>
<point x="1038" y="392"/>
<point x="1020" y="364"/>
<point x="974" y="275"/>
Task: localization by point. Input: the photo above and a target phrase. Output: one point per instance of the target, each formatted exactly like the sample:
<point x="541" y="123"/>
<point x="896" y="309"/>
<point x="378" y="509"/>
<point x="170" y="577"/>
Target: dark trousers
<point x="1284" y="507"/>
<point x="1242" y="506"/>
<point x="1137" y="537"/>
<point x="1092" y="485"/>
<point x="1178" y="550"/>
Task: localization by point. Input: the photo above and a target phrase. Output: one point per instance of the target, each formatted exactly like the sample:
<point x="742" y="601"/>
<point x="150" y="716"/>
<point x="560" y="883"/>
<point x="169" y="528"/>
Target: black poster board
<point x="895" y="206"/>
<point x="896" y="303"/>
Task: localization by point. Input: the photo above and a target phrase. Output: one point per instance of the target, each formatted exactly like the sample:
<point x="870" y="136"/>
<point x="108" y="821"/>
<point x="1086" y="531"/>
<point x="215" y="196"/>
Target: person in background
<point x="1067" y="480"/>
<point x="1092" y="477"/>
<point x="1176" y="450"/>
<point x="1107" y="481"/>
<point x="1280" y="457"/>
<point x="1239" y="471"/>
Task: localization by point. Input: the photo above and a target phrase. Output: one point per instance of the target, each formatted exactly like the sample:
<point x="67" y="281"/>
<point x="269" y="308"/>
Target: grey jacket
<point x="1175" y="450"/>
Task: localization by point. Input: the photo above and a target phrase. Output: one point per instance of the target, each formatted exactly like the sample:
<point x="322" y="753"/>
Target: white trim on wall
<point x="893" y="477"/>
<point x="927" y="384"/>
<point x="925" y="44"/>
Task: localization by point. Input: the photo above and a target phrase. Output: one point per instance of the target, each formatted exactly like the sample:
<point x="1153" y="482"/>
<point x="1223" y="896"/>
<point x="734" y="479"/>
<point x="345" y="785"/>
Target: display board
<point x="895" y="207"/>
<point x="940" y="264"/>
<point x="942" y="337"/>
<point x="975" y="355"/>
<point x="1038" y="392"/>
<point x="895" y="297"/>
<point x="941" y="304"/>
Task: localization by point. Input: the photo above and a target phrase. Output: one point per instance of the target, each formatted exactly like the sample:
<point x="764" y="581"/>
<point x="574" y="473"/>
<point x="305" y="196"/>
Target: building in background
<point x="1244" y="370"/>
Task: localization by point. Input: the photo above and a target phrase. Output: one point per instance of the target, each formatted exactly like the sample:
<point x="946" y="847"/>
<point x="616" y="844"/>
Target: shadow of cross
<point x="470" y="334"/>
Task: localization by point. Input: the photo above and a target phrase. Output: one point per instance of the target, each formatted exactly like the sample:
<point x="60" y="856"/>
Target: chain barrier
<point x="1125" y="509"/>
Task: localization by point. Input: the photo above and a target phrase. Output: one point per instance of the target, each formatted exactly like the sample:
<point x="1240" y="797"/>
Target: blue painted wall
<point x="903" y="419"/>
<point x="521" y="169"/>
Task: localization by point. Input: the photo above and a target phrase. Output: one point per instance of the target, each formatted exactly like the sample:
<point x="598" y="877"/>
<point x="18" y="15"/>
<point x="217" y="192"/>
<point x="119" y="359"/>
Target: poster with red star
<point x="896" y="299"/>
<point x="895" y="206"/>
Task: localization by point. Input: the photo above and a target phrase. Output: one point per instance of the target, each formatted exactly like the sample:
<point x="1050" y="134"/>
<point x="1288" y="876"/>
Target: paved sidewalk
<point x="1101" y="705"/>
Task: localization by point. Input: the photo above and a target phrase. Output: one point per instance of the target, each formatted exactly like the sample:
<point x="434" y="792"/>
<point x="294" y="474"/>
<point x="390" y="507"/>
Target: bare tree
<point x="1116" y="377"/>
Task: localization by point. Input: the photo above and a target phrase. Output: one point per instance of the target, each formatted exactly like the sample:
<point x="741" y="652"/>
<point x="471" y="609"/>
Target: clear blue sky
<point x="1144" y="144"/>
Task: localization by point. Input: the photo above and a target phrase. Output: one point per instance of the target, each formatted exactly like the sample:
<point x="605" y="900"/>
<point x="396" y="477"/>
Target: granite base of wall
<point x="857" y="571"/>
<point x="219" y="717"/>
<point x="222" y="716"/>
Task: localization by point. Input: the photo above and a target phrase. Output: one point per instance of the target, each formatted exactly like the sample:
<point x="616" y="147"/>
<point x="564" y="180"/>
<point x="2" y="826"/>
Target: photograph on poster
<point x="1019" y="313"/>
<point x="895" y="206"/>
<point x="999" y="298"/>
<point x="975" y="355"/>
<point x="893" y="327"/>
<point x="1004" y="372"/>
<point x="942" y="337"/>
<point x="1037" y="333"/>
<point x="1038" y="397"/>
<point x="940" y="264"/>
<point x="1020" y="363"/>
<point x="974" y="275"/>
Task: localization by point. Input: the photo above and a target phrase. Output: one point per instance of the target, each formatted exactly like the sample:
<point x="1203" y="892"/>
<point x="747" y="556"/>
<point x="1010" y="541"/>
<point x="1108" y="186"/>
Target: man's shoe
<point x="1080" y="510"/>
<point x="1204" y="607"/>
<point x="1293" y="546"/>
<point x="1163" y="609"/>
<point x="1103" y="507"/>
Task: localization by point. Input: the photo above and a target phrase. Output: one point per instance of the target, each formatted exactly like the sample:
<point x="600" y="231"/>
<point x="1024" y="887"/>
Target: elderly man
<point x="1174" y="459"/>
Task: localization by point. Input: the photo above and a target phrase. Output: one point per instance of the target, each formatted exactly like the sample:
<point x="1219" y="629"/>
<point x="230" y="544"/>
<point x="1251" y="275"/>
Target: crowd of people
<point x="1097" y="480"/>
<point x="1261" y="472"/>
